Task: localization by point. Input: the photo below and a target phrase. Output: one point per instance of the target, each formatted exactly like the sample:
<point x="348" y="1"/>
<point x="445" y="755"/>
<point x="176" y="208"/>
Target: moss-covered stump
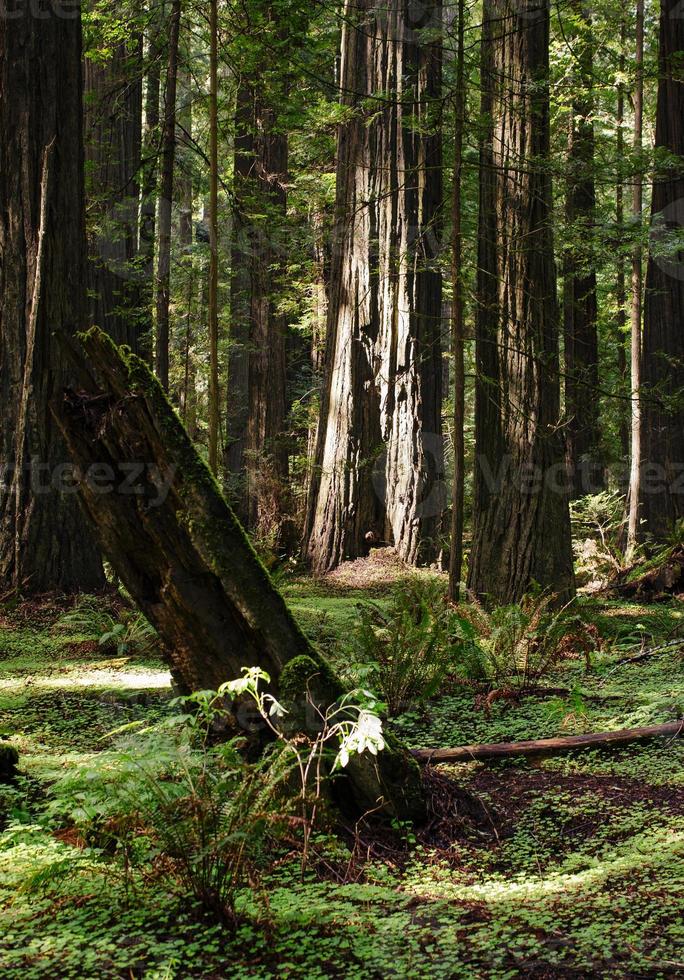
<point x="177" y="546"/>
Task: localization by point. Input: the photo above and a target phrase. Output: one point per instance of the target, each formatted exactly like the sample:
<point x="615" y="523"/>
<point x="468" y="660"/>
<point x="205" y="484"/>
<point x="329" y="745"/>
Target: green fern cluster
<point x="516" y="646"/>
<point x="418" y="644"/>
<point x="127" y="632"/>
<point x="167" y="803"/>
<point x="403" y="648"/>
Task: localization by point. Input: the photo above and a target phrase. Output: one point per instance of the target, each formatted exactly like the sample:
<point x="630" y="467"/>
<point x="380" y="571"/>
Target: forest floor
<point x="577" y="870"/>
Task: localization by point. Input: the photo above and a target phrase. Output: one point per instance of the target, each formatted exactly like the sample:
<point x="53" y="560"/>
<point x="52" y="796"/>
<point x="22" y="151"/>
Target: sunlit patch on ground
<point x="581" y="873"/>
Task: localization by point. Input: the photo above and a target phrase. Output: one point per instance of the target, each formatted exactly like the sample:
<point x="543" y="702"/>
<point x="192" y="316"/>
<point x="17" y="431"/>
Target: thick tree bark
<point x="522" y="524"/>
<point x="113" y="142"/>
<point x="166" y="199"/>
<point x="379" y="455"/>
<point x="662" y="490"/>
<point x="44" y="541"/>
<point x="185" y="559"/>
<point x="580" y="308"/>
<point x="148" y="190"/>
<point x="257" y="372"/>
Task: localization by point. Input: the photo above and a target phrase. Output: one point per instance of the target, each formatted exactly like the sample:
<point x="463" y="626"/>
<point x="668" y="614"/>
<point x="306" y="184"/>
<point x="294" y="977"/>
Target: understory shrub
<point x="516" y="646"/>
<point x="418" y="644"/>
<point x="404" y="648"/>
<point x="128" y="632"/>
<point x="598" y="525"/>
<point x="173" y="803"/>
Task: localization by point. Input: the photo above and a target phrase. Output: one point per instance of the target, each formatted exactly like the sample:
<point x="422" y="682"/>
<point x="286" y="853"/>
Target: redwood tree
<point x="113" y="142"/>
<point x="522" y="524"/>
<point x="662" y="482"/>
<point x="168" y="157"/>
<point x="379" y="454"/>
<point x="43" y="540"/>
<point x="256" y="455"/>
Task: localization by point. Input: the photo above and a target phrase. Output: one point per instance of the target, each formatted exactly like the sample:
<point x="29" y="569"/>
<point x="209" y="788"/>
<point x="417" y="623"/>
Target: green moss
<point x="305" y="678"/>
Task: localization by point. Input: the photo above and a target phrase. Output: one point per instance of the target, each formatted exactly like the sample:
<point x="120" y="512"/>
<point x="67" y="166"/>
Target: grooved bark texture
<point x="379" y="453"/>
<point x="522" y="524"/>
<point x="662" y="496"/>
<point x="40" y="160"/>
<point x="186" y="561"/>
<point x="257" y="386"/>
<point x="113" y="143"/>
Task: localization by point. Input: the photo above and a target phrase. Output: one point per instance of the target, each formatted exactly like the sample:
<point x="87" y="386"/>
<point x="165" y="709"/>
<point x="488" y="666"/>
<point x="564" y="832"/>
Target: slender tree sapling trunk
<point x="634" y="497"/>
<point x="213" y="238"/>
<point x="148" y="189"/>
<point x="458" y="325"/>
<point x="620" y="276"/>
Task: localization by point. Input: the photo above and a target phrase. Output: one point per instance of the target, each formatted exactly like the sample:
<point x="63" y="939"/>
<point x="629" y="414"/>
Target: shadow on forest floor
<point x="582" y="876"/>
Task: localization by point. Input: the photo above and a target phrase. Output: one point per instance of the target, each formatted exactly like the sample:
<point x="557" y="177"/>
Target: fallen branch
<point x="548" y="746"/>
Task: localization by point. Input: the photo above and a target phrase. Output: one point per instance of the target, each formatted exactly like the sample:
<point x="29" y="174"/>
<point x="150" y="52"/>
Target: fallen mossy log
<point x="548" y="746"/>
<point x="162" y="522"/>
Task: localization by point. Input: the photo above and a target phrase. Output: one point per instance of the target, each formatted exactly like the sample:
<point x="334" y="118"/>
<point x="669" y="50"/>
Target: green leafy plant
<point x="598" y="522"/>
<point x="516" y="646"/>
<point x="129" y="632"/>
<point x="172" y="798"/>
<point x="404" y="649"/>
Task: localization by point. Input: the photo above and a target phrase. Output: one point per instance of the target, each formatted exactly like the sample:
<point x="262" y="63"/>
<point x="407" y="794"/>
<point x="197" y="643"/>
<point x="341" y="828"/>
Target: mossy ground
<point x="578" y="873"/>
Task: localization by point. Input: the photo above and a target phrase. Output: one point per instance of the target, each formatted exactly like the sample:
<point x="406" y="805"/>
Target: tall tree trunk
<point x="662" y="491"/>
<point x="620" y="277"/>
<point x="580" y="313"/>
<point x="380" y="455"/>
<point x="44" y="543"/>
<point x="458" y="325"/>
<point x="522" y="524"/>
<point x="213" y="239"/>
<point x="188" y="397"/>
<point x="237" y="408"/>
<point x="257" y="387"/>
<point x="113" y="142"/>
<point x="166" y="199"/>
<point x="634" y="496"/>
<point x="148" y="190"/>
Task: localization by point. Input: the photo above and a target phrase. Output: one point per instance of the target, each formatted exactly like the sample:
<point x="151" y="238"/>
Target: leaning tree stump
<point x="178" y="548"/>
